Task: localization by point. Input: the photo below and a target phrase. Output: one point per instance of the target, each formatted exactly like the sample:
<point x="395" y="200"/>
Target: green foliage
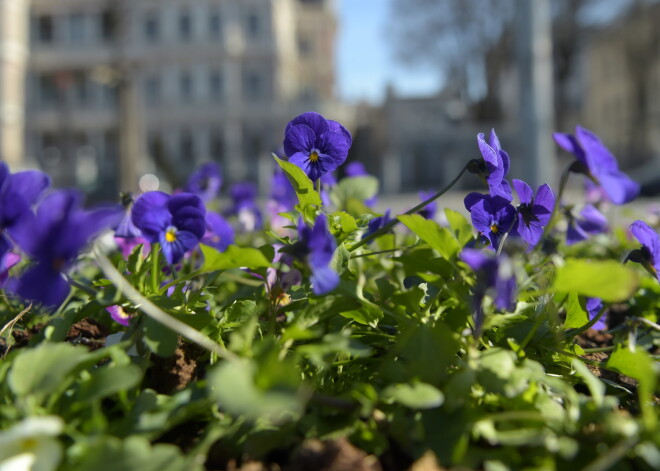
<point x="608" y="280"/>
<point x="307" y="195"/>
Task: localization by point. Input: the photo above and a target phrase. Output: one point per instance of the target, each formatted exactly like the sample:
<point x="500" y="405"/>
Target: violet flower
<point x="205" y="182"/>
<point x="428" y="211"/>
<point x="497" y="165"/>
<point x="588" y="222"/>
<point x="53" y="238"/>
<point x="377" y="223"/>
<point x="598" y="163"/>
<point x="594" y="305"/>
<point x="316" y="245"/>
<point x="176" y="222"/>
<point x="219" y="233"/>
<point x="495" y="276"/>
<point x="315" y="144"/>
<point x="119" y="315"/>
<point x="492" y="216"/>
<point x="18" y="193"/>
<point x="7" y="261"/>
<point x="244" y="205"/>
<point x="649" y="254"/>
<point x="533" y="211"/>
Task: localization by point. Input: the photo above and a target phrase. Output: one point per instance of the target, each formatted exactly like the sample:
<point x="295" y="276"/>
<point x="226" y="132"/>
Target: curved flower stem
<point x="153" y="311"/>
<point x="414" y="210"/>
<point x="562" y="187"/>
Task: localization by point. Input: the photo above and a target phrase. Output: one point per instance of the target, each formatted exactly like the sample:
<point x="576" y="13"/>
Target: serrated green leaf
<point x="416" y="395"/>
<point x="438" y="238"/>
<point x="607" y="280"/>
<point x="233" y="257"/>
<point x="303" y="186"/>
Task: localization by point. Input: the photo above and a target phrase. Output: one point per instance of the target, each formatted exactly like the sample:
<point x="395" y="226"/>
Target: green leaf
<point x="607" y="280"/>
<point x="304" y="187"/>
<point x="460" y="226"/>
<point x="353" y="188"/>
<point x="41" y="370"/>
<point x="347" y="222"/>
<point x="233" y="384"/>
<point x="438" y="238"/>
<point x="340" y="259"/>
<point x="241" y="311"/>
<point x="133" y="454"/>
<point x="366" y="315"/>
<point x="576" y="314"/>
<point x="416" y="395"/>
<point x="596" y="386"/>
<point x="233" y="257"/>
<point x="107" y="381"/>
<point x="160" y="339"/>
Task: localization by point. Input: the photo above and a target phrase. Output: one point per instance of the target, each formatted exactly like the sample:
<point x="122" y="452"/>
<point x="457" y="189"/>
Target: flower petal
<point x="618" y="187"/>
<point x="335" y="145"/>
<point x="570" y="144"/>
<point x="525" y="192"/>
<point x="30" y="184"/>
<point x="324" y="280"/>
<point x="598" y="157"/>
<point x="299" y="138"/>
<point x="317" y="123"/>
<point x="43" y="284"/>
<point x="150" y="214"/>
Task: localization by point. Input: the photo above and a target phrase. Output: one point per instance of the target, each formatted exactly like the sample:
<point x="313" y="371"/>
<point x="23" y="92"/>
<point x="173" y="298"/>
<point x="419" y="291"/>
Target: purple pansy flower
<point x="599" y="164"/>
<point x="53" y="237"/>
<point x="219" y="233"/>
<point x="177" y="222"/>
<point x="428" y="211"/>
<point x="244" y="205"/>
<point x="492" y="216"/>
<point x="594" y="305"/>
<point x="282" y="191"/>
<point x="205" y="182"/>
<point x="8" y="260"/>
<point x="497" y="165"/>
<point x="18" y="193"/>
<point x="533" y="211"/>
<point x="495" y="275"/>
<point x="649" y="254"/>
<point x="377" y="223"/>
<point x="317" y="245"/>
<point x="315" y="144"/>
<point x="589" y="221"/>
<point x="119" y="315"/>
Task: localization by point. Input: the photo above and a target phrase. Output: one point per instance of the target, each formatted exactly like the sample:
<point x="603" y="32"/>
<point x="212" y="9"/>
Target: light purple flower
<point x="219" y="233"/>
<point x="492" y="216"/>
<point x="588" y="222"/>
<point x="649" y="254"/>
<point x="206" y="181"/>
<point x="497" y="165"/>
<point x="598" y="163"/>
<point x="594" y="305"/>
<point x="118" y="315"/>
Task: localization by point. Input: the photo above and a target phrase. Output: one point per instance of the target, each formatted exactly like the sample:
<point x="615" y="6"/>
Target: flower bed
<point x="316" y="333"/>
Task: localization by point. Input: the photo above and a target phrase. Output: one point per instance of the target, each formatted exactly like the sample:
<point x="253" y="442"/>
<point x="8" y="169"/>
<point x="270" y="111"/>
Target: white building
<point x="123" y="87"/>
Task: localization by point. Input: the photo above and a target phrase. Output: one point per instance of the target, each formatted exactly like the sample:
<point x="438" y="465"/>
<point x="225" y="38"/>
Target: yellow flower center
<point x="170" y="234"/>
<point x="494" y="229"/>
<point x="314" y="156"/>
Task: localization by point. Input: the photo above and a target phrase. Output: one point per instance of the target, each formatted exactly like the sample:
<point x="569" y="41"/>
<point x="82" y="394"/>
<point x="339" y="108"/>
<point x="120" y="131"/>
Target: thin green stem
<point x="414" y="210"/>
<point x="599" y="349"/>
<point x="155" y="267"/>
<point x="377" y="253"/>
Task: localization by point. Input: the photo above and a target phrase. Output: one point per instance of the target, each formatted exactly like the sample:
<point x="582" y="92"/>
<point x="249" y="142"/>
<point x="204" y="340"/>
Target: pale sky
<point x="365" y="62"/>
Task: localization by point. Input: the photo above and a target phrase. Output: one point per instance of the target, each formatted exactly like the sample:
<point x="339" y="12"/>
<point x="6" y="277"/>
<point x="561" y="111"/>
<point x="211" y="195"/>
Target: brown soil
<point x="88" y="332"/>
<point x="167" y="375"/>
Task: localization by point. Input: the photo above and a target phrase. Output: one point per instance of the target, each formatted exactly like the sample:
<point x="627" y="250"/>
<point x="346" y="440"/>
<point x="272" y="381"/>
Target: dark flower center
<point x="494" y="229"/>
<point x="527" y="214"/>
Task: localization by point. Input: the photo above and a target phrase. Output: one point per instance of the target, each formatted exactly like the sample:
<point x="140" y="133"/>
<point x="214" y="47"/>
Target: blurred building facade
<point x="622" y="86"/>
<point x="13" y="58"/>
<point x="123" y="87"/>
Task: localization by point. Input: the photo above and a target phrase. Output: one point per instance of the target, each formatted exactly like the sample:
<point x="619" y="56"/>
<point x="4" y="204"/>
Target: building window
<point x="185" y="25"/>
<point x="217" y="145"/>
<point x="151" y="28"/>
<point x="81" y="89"/>
<point x="215" y="86"/>
<point x="186" y="146"/>
<point x="45" y="29"/>
<point x="185" y="86"/>
<point x="253" y="25"/>
<point x="47" y="90"/>
<point x="253" y="86"/>
<point x="152" y="90"/>
<point x="77" y="29"/>
<point x="108" y="25"/>
<point x="215" y="25"/>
